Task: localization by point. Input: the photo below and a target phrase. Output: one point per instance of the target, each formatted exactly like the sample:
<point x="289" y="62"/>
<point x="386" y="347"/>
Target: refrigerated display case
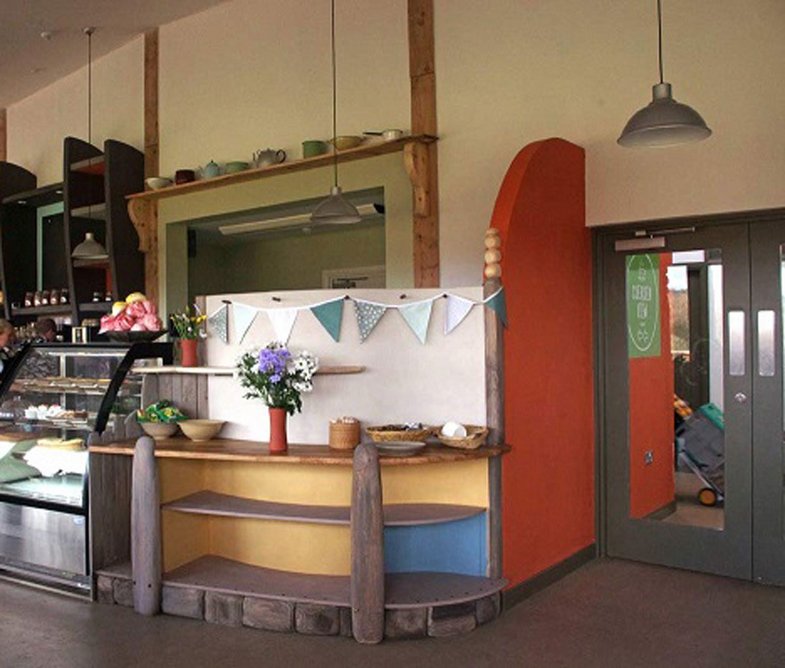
<point x="52" y="396"/>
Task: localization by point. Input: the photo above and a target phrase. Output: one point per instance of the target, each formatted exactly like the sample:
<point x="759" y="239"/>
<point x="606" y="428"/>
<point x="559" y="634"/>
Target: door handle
<point x="736" y="362"/>
<point x="766" y="355"/>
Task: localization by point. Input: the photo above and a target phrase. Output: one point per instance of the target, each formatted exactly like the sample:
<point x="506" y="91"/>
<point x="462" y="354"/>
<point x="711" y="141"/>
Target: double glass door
<point x="692" y="394"/>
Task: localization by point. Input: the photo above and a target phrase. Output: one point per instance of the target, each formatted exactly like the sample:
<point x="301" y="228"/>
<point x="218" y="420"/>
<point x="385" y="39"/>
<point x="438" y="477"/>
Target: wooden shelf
<point x="232" y="577"/>
<point x="368" y="149"/>
<point x="224" y="449"/>
<point x="96" y="307"/>
<point x="91" y="264"/>
<point x="417" y="590"/>
<point x="402" y="590"/>
<point x="57" y="309"/>
<point x="92" y="212"/>
<point x="404" y="514"/>
<point x="197" y="370"/>
<point x="95" y="166"/>
<point x="339" y="370"/>
<point x="38" y="197"/>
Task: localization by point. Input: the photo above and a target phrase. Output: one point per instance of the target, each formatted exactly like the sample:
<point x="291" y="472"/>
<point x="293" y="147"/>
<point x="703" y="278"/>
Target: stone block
<point x="317" y="620"/>
<point x="183" y="602"/>
<point x="225" y="609"/>
<point x="123" y="591"/>
<point x="346" y="622"/>
<point x="451" y="620"/>
<point x="406" y="623"/>
<point x="104" y="590"/>
<point x="489" y="608"/>
<point x="268" y="614"/>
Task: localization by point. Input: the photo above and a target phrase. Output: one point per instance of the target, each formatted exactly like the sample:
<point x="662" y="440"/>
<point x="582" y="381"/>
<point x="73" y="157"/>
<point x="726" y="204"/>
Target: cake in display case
<point x="52" y="396"/>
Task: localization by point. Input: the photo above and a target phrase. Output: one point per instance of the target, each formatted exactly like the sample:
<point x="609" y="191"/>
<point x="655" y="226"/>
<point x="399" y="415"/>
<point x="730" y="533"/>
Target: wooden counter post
<point x="367" y="529"/>
<point x="494" y="391"/>
<point x="146" y="529"/>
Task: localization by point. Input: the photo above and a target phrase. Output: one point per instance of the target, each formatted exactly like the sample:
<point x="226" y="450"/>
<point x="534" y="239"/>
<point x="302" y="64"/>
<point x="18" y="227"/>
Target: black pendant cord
<point x="332" y="49"/>
<point x="89" y="32"/>
<point x="659" y="36"/>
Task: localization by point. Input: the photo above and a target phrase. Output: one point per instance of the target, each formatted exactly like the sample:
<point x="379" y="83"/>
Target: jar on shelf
<point x="108" y="297"/>
<point x="28" y="300"/>
<point x="45" y="298"/>
<point x="54" y="296"/>
<point x="64" y="296"/>
<point x="37" y="298"/>
<point x="98" y="297"/>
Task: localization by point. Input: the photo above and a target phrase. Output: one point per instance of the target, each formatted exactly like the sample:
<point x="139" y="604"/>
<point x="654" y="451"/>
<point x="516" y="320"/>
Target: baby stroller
<point x="700" y="446"/>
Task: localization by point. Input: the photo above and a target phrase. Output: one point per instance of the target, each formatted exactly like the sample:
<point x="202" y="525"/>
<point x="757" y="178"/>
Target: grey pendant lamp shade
<point x="336" y="209"/>
<point x="89" y="249"/>
<point x="663" y="122"/>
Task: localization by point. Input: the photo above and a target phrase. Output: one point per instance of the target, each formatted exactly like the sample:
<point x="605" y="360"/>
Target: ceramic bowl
<point x="159" y="430"/>
<point x="346" y="141"/>
<point x="201" y="430"/>
<point x="236" y="166"/>
<point x="156" y="182"/>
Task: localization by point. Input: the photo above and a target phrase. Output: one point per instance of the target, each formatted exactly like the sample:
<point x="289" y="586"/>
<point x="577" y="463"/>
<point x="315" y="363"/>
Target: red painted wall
<point x="651" y="417"/>
<point x="548" y="477"/>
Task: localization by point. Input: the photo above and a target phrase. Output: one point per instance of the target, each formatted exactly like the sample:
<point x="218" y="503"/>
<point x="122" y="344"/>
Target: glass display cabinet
<point x="52" y="396"/>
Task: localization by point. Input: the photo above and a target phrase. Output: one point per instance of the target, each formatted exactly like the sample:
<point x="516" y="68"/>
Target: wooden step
<point x="417" y="590"/>
<point x="404" y="514"/>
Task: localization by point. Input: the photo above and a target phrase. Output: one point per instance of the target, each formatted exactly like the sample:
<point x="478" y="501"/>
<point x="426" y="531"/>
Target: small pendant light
<point x="336" y="209"/>
<point x="90" y="248"/>
<point x="663" y="122"/>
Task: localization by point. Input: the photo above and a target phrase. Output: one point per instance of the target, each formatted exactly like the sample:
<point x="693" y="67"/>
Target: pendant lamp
<point x="336" y="209"/>
<point x="663" y="122"/>
<point x="90" y="248"/>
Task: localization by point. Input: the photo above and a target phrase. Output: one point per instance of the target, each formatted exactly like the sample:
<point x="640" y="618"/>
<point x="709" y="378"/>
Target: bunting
<point x="418" y="316"/>
<point x="243" y="319"/>
<point x="219" y="322"/>
<point x="457" y="309"/>
<point x="368" y="316"/>
<point x="330" y="316"/>
<point x="497" y="304"/>
<point x="282" y="320"/>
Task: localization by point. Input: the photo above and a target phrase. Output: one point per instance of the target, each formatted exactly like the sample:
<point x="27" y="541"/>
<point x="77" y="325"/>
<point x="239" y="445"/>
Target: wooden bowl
<point x="383" y="434"/>
<point x="201" y="430"/>
<point x="345" y="142"/>
<point x="159" y="430"/>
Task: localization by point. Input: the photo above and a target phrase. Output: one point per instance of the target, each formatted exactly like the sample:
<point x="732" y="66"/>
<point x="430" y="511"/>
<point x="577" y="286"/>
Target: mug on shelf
<point x="314" y="147"/>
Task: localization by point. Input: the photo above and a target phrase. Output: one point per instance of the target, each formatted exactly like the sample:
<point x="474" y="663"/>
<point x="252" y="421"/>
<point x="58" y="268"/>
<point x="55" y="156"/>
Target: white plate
<point x="399" y="448"/>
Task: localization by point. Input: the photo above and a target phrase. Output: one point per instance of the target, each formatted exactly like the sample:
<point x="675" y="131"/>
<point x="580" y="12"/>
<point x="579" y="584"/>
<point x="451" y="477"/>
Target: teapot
<point x="268" y="156"/>
<point x="210" y="170"/>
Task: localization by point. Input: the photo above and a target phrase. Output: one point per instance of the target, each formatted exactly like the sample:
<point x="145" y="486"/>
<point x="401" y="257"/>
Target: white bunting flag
<point x="418" y="316"/>
<point x="457" y="309"/>
<point x="243" y="319"/>
<point x="282" y="320"/>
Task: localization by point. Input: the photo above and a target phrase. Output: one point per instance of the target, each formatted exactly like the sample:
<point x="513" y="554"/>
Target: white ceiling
<point x="28" y="62"/>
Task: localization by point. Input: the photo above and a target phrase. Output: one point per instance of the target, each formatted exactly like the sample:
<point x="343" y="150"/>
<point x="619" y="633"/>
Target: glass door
<point x="677" y="398"/>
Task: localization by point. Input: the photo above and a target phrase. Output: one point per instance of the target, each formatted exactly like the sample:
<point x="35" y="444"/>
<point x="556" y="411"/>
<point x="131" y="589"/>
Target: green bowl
<point x="236" y="166"/>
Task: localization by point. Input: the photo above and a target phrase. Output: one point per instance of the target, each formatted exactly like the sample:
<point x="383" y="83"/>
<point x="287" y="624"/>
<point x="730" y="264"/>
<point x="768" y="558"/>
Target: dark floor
<point x="608" y="613"/>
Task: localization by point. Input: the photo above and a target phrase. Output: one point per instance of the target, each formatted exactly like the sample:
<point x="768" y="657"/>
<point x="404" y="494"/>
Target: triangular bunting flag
<point x="368" y="316"/>
<point x="330" y="316"/>
<point x="282" y="320"/>
<point x="219" y="322"/>
<point x="497" y="304"/>
<point x="417" y="316"/>
<point x="243" y="319"/>
<point x="457" y="309"/>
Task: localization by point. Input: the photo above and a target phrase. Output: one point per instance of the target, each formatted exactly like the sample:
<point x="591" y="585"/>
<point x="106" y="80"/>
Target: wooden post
<point x="146" y="529"/>
<point x="3" y="135"/>
<point x="494" y="401"/>
<point x="367" y="529"/>
<point x="423" y="157"/>
<point x="151" y="164"/>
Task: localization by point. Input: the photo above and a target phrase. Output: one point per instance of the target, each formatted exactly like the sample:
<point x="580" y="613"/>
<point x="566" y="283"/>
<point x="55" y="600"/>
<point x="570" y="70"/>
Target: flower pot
<point x="188" y="350"/>
<point x="278" y="442"/>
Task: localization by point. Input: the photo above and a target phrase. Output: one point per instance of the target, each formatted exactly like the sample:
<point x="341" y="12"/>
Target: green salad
<point x="160" y="411"/>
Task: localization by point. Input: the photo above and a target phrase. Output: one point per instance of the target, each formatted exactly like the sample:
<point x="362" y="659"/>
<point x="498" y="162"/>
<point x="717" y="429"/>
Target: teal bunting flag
<point x="418" y="316"/>
<point x="219" y="322"/>
<point x="330" y="316"/>
<point x="368" y="316"/>
<point x="497" y="304"/>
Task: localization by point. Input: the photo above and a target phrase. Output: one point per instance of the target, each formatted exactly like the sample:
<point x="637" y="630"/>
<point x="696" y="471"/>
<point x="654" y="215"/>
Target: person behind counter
<point x="46" y="330"/>
<point x="7" y="350"/>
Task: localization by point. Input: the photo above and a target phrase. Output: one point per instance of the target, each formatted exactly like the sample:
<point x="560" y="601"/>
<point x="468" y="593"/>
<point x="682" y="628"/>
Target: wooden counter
<point x="224" y="449"/>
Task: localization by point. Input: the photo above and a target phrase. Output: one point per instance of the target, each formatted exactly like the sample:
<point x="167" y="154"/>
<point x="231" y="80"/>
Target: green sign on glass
<point x="643" y="305"/>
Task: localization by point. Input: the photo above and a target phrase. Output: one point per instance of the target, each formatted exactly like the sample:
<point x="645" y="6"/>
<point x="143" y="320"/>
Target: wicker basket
<point x="475" y="437"/>
<point x="387" y="433"/>
<point x="344" y="435"/>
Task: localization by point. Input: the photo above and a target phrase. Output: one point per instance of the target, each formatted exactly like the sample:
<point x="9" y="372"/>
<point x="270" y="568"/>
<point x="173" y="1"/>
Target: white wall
<point x="38" y="124"/>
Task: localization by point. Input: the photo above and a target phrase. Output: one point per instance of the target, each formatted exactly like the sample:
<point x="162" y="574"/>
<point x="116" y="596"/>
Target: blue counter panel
<point x="449" y="547"/>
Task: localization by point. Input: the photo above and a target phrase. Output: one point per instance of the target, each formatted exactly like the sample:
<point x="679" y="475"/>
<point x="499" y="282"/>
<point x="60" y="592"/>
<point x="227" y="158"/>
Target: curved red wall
<point x="548" y="477"/>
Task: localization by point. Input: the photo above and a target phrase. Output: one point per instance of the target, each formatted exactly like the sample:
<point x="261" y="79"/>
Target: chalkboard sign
<point x="643" y="305"/>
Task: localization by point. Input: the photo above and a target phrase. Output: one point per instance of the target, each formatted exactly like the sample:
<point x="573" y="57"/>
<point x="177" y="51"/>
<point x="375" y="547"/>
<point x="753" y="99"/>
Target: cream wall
<point x="255" y="73"/>
<point x="38" y="124"/>
<point x="515" y="72"/>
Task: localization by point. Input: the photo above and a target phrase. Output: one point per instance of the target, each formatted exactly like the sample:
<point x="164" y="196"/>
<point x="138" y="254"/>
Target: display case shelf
<point x="405" y="514"/>
<point x="57" y="309"/>
<point x="37" y="197"/>
<point x="93" y="212"/>
<point x="96" y="166"/>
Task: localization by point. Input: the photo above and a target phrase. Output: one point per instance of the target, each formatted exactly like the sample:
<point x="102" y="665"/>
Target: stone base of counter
<point x="305" y="618"/>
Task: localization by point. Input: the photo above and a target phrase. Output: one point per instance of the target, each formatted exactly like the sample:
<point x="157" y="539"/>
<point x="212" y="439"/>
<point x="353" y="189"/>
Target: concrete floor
<point x="609" y="613"/>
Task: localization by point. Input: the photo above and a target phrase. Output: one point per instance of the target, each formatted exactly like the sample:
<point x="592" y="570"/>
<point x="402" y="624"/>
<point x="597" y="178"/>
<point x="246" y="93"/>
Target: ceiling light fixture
<point x="90" y="248"/>
<point x="365" y="211"/>
<point x="663" y="122"/>
<point x="336" y="209"/>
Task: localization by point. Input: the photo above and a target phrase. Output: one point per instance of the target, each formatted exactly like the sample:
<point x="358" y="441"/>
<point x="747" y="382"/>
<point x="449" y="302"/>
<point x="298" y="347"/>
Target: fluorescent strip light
<point x="284" y="222"/>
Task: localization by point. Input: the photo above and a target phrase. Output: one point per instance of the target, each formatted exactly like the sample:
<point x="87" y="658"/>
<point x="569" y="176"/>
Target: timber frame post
<point x="146" y="220"/>
<point x="3" y="135"/>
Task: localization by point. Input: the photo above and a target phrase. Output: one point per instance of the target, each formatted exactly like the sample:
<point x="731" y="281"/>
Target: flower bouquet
<point x="188" y="324"/>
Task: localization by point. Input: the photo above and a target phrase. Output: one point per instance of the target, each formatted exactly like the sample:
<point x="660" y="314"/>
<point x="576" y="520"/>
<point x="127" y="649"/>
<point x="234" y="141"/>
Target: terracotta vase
<point x="188" y="356"/>
<point x="278" y="442"/>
